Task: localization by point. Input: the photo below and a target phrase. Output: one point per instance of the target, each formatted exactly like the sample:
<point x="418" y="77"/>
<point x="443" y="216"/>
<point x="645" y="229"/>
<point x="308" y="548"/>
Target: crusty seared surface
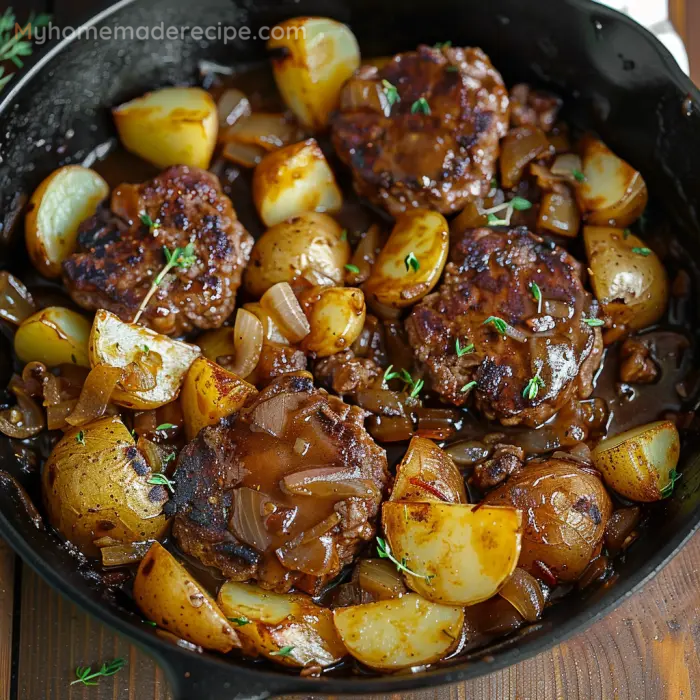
<point x="319" y="431"/>
<point x="401" y="160"/>
<point x="119" y="257"/>
<point x="489" y="274"/>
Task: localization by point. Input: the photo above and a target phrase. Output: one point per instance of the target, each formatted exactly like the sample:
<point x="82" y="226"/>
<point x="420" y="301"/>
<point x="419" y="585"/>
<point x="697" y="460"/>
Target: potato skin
<point x="101" y="487"/>
<point x="565" y="511"/>
<point x="168" y="595"/>
<point x="282" y="254"/>
<point x="393" y="282"/>
<point x="336" y="317"/>
<point x="632" y="287"/>
<point x="210" y="393"/>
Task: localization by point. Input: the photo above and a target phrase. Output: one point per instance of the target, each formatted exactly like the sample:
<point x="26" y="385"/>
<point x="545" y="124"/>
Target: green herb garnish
<point x="417" y="388"/>
<point x="642" y="251"/>
<point x="166" y="426"/>
<point x="344" y="235"/>
<point x="147" y="221"/>
<point x="240" y="621"/>
<point x="578" y="175"/>
<point x="159" y="479"/>
<point x="80" y="438"/>
<point x="86" y="675"/>
<point x="391" y="92"/>
<point x="536" y="295"/>
<point x="284" y="651"/>
<point x="626" y="233"/>
<point x="420" y="106"/>
<point x="411" y="262"/>
<point x="451" y="69"/>
<point x="13" y="44"/>
<point x="673" y="476"/>
<point x="594" y="322"/>
<point x="498" y="323"/>
<point x="515" y="204"/>
<point x="533" y="387"/>
<point x="466" y="350"/>
<point x="467" y="387"/>
<point x="442" y="44"/>
<point x="179" y="258"/>
<point x="352" y="268"/>
<point x="520" y="203"/>
<point x="384" y="552"/>
<point x="145" y="349"/>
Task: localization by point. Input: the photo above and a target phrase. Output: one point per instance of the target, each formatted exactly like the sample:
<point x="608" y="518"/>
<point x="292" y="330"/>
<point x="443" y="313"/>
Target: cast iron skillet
<point x="622" y="83"/>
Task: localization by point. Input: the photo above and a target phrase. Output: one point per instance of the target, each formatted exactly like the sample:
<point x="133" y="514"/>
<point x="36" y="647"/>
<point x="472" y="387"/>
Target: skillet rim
<point x="178" y="661"/>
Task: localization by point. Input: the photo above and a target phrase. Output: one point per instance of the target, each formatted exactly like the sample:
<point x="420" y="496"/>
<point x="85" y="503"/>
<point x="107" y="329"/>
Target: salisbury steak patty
<point x="285" y="492"/>
<point x="545" y="357"/>
<point x="437" y="145"/>
<point x="119" y="255"/>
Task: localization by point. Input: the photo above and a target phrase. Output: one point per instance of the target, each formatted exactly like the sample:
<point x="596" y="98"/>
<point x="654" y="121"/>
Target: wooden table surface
<point x="649" y="648"/>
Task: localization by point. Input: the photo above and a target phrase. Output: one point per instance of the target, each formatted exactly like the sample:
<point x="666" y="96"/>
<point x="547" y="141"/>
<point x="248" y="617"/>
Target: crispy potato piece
<point x="96" y="483"/>
<point x="613" y="193"/>
<point x="209" y="394"/>
<point x="640" y="464"/>
<point x="412" y="260"/>
<point x="68" y="196"/>
<point x="461" y="554"/>
<point x="628" y="278"/>
<point x="311" y="61"/>
<point x="171" y="126"/>
<point x="336" y="316"/>
<point x="55" y="336"/>
<point x="427" y="473"/>
<point x="168" y="595"/>
<point x="294" y="180"/>
<point x="398" y="633"/>
<point x="216" y="343"/>
<point x="117" y="343"/>
<point x="268" y="622"/>
<point x="288" y="250"/>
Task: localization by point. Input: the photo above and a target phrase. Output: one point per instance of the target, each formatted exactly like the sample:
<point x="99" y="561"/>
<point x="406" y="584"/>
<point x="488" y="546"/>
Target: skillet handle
<point x="198" y="681"/>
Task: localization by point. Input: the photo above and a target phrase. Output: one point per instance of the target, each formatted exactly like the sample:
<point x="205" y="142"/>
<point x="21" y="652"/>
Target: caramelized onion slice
<point x="266" y="131"/>
<point x="232" y="106"/>
<point x="328" y="482"/>
<point x="365" y="255"/>
<point x="16" y="302"/>
<point x="57" y="414"/>
<point x="380" y="578"/>
<point x="525" y="594"/>
<point x="279" y="301"/>
<point x="94" y="397"/>
<point x="23" y="420"/>
<point x="518" y="148"/>
<point x="248" y="335"/>
<point x="141" y="374"/>
<point x="124" y="554"/>
<point x="245" y="154"/>
<point x="247" y="518"/>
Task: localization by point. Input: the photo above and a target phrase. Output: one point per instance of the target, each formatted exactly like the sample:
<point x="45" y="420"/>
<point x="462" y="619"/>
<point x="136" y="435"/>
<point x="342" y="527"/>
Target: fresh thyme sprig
<point x="515" y="204"/>
<point x="159" y="479"/>
<point x="466" y="350"/>
<point x="284" y="651"/>
<point x="673" y="476"/>
<point x="416" y="385"/>
<point x="536" y="295"/>
<point x="86" y="675"/>
<point x="498" y="323"/>
<point x="533" y="387"/>
<point x="384" y="552"/>
<point x="391" y="92"/>
<point x="594" y="322"/>
<point x="16" y="44"/>
<point x="411" y="262"/>
<point x="179" y="258"/>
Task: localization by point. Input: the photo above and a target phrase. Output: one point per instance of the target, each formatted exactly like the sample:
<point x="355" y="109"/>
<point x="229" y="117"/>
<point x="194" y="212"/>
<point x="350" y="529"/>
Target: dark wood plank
<point x="648" y="648"/>
<point x="7" y="601"/>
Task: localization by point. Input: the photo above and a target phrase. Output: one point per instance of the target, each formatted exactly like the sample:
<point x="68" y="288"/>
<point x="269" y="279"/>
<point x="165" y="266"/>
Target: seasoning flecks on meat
<point x="116" y="264"/>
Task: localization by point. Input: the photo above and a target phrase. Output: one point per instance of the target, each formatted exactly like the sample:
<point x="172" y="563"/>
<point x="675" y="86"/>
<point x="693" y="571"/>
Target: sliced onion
<point x="94" y="398"/>
<point x="16" y="302"/>
<point x="524" y="593"/>
<point x="315" y="557"/>
<point x="247" y="518"/>
<point x="518" y="148"/>
<point x="468" y="452"/>
<point x="232" y="106"/>
<point x="380" y="401"/>
<point x="514" y="333"/>
<point x="279" y="301"/>
<point x="247" y="342"/>
<point x="271" y="416"/>
<point x="360" y="95"/>
<point x="328" y="482"/>
<point x="621" y="525"/>
<point x="156" y="455"/>
<point x="470" y="217"/>
<point x="559" y="213"/>
<point x="271" y="332"/>
<point x="267" y="131"/>
<point x="124" y="554"/>
<point x="567" y="164"/>
<point x="437" y="423"/>
<point x="243" y="154"/>
<point x="23" y="420"/>
<point x="385" y="429"/>
<point x="142" y="373"/>
<point x="57" y="414"/>
<point x="557" y="308"/>
<point x="316" y="278"/>
<point x="365" y="255"/>
<point x="145" y="422"/>
<point x="380" y="578"/>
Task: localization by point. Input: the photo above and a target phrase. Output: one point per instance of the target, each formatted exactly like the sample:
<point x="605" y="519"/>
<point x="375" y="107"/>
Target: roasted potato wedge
<point x="412" y="260"/>
<point x="294" y="180"/>
<point x="427" y="473"/>
<point x="216" y="343"/>
<point x="612" y="193"/>
<point x="628" y="278"/>
<point x="640" y="464"/>
<point x="61" y="202"/>
<point x="117" y="343"/>
<point x="460" y="554"/>
<point x="268" y="622"/>
<point x="311" y="61"/>
<point x="565" y="511"/>
<point x="95" y="483"/>
<point x="168" y="595"/>
<point x="55" y="336"/>
<point x="290" y="249"/>
<point x="398" y="633"/>
<point x="171" y="126"/>
<point x="210" y="393"/>
<point x="336" y="316"/>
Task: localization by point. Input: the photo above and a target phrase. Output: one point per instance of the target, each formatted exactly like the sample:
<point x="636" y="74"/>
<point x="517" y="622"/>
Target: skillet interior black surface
<point x="621" y="82"/>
